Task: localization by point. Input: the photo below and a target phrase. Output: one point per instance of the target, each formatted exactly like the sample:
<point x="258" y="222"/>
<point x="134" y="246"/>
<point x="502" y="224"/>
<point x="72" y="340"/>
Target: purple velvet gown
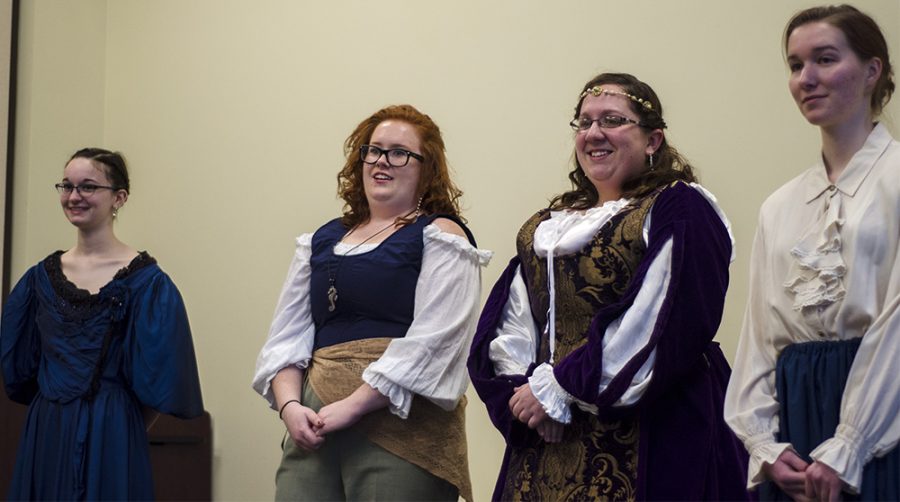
<point x="673" y="444"/>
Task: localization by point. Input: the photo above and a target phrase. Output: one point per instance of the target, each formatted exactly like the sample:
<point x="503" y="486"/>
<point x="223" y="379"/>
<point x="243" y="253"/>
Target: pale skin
<point x="528" y="410"/>
<point x="301" y="422"/>
<point x="388" y="200"/>
<point x="833" y="88"/>
<point x="98" y="254"/>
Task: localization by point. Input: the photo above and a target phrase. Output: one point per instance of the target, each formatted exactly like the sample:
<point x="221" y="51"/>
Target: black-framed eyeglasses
<point x="84" y="189"/>
<point x="582" y="124"/>
<point x="396" y="157"/>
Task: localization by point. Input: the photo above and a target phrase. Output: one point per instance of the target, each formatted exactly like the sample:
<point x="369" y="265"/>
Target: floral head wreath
<point x="646" y="104"/>
<point x="598" y="90"/>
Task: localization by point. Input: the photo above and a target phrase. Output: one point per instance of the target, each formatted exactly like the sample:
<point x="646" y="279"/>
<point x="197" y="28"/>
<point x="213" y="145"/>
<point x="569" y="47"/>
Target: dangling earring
<point x="115" y="212"/>
<point x="419" y="205"/>
<point x="650" y="162"/>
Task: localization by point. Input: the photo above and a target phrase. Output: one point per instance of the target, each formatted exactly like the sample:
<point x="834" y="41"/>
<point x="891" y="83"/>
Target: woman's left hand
<point x="526" y="408"/>
<point x="338" y="415"/>
<point x="823" y="483"/>
<point x="346" y="412"/>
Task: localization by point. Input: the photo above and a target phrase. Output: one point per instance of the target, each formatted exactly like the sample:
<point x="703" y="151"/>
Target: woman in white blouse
<point x="594" y="353"/>
<point x="365" y="357"/>
<point x="814" y="395"/>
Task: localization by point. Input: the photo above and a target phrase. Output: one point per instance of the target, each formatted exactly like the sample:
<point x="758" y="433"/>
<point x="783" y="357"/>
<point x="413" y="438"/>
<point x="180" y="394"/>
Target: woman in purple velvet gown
<point x="594" y="353"/>
<point x="96" y="341"/>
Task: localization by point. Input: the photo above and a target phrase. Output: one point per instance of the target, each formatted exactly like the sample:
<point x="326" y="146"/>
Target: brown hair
<point x="113" y="164"/>
<point x="668" y="166"/>
<point x="863" y="36"/>
<point x="439" y="194"/>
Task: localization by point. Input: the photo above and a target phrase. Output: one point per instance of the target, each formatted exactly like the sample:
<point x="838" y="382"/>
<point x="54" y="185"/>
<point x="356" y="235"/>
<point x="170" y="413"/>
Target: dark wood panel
<point x="12" y="416"/>
<point x="181" y="453"/>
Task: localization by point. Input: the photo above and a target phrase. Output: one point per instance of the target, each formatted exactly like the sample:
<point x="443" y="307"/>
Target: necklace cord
<point x="332" y="279"/>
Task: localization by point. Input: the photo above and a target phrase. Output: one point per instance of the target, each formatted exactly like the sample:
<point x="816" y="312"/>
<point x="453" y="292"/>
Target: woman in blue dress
<point x="365" y="359"/>
<point x="96" y="341"/>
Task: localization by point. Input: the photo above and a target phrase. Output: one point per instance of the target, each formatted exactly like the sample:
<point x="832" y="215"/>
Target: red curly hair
<point x="439" y="194"/>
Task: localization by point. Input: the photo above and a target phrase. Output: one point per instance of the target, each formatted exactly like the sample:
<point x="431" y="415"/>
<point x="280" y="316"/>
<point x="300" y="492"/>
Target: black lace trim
<point x="77" y="303"/>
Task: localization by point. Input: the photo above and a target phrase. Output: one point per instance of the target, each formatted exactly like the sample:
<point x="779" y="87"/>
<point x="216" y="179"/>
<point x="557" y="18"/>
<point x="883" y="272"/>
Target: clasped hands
<point x="803" y="481"/>
<point x="308" y="428"/>
<point x="528" y="410"/>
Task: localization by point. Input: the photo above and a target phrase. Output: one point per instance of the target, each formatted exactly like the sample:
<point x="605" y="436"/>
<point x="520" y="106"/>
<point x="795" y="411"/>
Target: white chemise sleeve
<point x="292" y="332"/>
<point x="624" y="338"/>
<point x="751" y="408"/>
<point x="869" y="425"/>
<point x="431" y="359"/>
<point x="515" y="346"/>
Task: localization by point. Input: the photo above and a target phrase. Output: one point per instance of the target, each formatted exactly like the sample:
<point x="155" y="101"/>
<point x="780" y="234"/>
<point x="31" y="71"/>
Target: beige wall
<point x="233" y="113"/>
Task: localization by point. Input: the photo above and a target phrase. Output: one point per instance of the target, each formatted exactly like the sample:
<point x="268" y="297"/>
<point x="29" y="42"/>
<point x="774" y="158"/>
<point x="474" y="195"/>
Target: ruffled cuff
<point x="458" y="243"/>
<point x="763" y="450"/>
<point x="264" y="387"/>
<point x="846" y="454"/>
<point x="401" y="398"/>
<point x="555" y="400"/>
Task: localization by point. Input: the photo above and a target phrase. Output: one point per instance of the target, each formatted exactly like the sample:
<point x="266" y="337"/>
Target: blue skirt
<point x="810" y="379"/>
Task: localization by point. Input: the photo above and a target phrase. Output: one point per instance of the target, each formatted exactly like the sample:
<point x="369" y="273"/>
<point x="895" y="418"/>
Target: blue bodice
<point x="376" y="289"/>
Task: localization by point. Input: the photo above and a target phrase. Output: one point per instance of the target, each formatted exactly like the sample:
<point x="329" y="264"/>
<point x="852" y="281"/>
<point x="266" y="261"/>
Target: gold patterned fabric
<point x="429" y="437"/>
<point x="597" y="459"/>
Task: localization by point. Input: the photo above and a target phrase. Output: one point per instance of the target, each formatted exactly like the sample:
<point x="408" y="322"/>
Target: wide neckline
<point x="70" y="291"/>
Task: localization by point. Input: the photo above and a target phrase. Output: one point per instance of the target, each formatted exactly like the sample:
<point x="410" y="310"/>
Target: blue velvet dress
<point x="86" y="364"/>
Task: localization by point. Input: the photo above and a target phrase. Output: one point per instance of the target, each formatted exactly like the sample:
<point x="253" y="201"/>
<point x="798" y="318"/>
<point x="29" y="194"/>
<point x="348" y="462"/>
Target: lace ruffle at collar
<point x="816" y="276"/>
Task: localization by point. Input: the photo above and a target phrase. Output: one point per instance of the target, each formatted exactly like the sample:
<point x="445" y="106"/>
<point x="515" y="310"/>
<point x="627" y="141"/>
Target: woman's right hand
<point x="789" y="473"/>
<point x="302" y="424"/>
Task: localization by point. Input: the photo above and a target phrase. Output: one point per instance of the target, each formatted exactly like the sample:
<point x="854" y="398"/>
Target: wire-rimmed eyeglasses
<point x="84" y="189"/>
<point x="396" y="157"/>
<point x="582" y="124"/>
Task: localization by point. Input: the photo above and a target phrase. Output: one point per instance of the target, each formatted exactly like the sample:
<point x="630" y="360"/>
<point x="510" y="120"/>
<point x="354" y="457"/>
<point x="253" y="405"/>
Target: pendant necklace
<point x="332" y="290"/>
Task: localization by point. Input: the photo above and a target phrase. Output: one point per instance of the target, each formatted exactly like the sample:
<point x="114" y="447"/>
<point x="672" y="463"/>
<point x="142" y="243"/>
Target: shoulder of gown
<point x="159" y="351"/>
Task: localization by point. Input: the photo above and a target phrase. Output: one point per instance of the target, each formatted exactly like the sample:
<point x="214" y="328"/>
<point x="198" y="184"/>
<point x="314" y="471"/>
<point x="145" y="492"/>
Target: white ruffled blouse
<point x="515" y="346"/>
<point x="430" y="360"/>
<point x="825" y="266"/>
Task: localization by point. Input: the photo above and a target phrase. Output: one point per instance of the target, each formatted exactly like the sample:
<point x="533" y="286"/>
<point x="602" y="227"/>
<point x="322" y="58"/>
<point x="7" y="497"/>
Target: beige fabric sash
<point x="430" y="437"/>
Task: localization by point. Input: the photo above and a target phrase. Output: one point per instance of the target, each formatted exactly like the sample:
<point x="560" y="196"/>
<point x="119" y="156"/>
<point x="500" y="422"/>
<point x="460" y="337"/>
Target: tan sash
<point x="430" y="437"/>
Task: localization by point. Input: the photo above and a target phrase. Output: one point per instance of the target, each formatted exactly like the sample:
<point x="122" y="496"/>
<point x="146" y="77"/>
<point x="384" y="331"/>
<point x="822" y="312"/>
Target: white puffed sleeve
<point x="515" y="346"/>
<point x="431" y="359"/>
<point x="751" y="408"/>
<point x="624" y="338"/>
<point x="870" y="405"/>
<point x="292" y="333"/>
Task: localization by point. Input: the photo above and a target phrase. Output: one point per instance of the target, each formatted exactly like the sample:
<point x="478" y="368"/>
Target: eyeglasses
<point x="606" y="122"/>
<point x="84" y="189"/>
<point x="396" y="157"/>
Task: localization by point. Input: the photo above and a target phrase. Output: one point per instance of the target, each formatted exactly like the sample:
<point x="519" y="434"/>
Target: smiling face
<point x="96" y="209"/>
<point x="828" y="81"/>
<point x="610" y="157"/>
<point x="388" y="187"/>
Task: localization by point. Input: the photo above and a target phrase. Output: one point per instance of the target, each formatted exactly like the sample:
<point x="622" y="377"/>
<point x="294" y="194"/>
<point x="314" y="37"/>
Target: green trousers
<point x="350" y="467"/>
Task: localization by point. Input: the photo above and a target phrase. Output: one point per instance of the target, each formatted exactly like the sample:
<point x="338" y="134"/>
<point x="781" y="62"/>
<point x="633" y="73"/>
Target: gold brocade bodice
<point x="595" y="276"/>
<point x="597" y="459"/>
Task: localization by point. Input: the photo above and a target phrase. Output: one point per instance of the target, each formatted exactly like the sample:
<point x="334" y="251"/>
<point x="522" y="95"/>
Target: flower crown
<point x="598" y="90"/>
